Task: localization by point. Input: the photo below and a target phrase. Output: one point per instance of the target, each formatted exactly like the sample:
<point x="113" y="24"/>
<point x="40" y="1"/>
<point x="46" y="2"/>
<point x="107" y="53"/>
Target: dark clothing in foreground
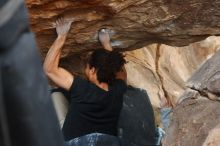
<point x="136" y="122"/>
<point x="27" y="115"/>
<point x="92" y="109"/>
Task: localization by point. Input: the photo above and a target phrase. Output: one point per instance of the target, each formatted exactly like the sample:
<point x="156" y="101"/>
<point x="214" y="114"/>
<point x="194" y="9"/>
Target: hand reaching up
<point x="104" y="36"/>
<point x="62" y="26"/>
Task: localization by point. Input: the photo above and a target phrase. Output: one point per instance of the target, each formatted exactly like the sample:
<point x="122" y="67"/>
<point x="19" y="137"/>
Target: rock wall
<point x="163" y="70"/>
<point x="132" y="23"/>
<point x="194" y="123"/>
<point x="195" y="120"/>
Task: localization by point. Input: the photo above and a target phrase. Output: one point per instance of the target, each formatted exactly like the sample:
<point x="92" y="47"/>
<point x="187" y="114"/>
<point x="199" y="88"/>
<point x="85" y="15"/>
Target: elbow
<point x="47" y="70"/>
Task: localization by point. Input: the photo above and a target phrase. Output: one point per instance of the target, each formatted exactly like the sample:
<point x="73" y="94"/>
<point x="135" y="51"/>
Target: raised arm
<point x="104" y="38"/>
<point x="61" y="77"/>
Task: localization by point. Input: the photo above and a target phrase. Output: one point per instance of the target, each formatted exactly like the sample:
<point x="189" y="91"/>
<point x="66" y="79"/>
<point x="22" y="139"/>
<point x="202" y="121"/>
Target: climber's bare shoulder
<point x="62" y="78"/>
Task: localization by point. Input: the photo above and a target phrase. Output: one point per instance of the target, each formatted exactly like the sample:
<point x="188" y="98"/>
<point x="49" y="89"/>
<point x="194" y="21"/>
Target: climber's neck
<point x="103" y="86"/>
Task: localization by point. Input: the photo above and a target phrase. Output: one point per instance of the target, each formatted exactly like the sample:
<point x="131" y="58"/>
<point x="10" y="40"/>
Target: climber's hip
<point x="94" y="139"/>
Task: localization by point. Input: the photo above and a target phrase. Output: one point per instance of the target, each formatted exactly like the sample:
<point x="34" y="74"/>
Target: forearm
<point x="108" y="46"/>
<point x="104" y="38"/>
<point x="53" y="56"/>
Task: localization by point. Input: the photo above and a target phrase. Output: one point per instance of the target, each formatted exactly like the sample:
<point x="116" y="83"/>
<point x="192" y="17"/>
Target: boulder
<point x="164" y="70"/>
<point x="132" y="23"/>
<point x="196" y="119"/>
<point x="195" y="122"/>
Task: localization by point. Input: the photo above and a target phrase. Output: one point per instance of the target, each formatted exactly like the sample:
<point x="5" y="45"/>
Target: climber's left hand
<point x="63" y="26"/>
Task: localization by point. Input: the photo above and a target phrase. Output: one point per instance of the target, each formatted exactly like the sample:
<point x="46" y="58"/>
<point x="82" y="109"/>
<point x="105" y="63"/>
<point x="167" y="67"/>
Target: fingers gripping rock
<point x="63" y="26"/>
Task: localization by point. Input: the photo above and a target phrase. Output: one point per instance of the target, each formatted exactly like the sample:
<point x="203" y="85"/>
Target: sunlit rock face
<point x="132" y="23"/>
<point x="196" y="119"/>
<point x="163" y="70"/>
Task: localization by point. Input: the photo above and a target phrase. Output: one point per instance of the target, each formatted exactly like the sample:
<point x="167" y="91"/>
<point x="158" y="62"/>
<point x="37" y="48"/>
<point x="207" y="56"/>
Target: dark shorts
<point x="94" y="139"/>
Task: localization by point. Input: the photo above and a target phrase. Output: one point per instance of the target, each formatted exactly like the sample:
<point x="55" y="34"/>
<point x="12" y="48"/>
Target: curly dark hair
<point x="107" y="64"/>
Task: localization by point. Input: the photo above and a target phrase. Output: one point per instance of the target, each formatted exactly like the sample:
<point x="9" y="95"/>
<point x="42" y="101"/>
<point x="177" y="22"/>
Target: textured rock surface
<point x="213" y="137"/>
<point x="198" y="114"/>
<point x="206" y="80"/>
<point x="163" y="70"/>
<point x="133" y="23"/>
<point x="195" y="123"/>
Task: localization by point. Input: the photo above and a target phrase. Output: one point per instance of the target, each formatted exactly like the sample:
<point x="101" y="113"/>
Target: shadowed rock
<point x="206" y="79"/>
<point x="132" y="23"/>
